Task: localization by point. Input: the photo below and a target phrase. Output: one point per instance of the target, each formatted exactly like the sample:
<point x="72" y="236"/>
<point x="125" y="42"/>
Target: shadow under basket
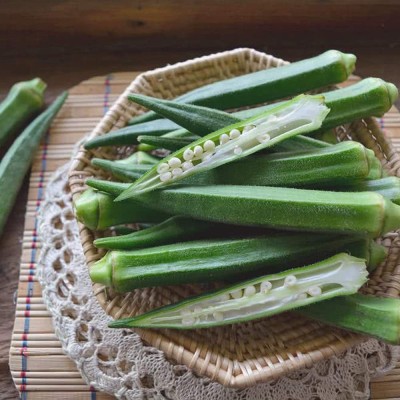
<point x="244" y="354"/>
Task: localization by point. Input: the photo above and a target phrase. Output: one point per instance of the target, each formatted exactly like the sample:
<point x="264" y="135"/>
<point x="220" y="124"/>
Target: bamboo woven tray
<point x="243" y="354"/>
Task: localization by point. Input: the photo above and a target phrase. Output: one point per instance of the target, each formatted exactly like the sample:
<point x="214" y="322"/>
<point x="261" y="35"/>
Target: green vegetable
<point x="283" y="208"/>
<point x="174" y="229"/>
<point x="16" y="162"/>
<point x="122" y="170"/>
<point x="139" y="157"/>
<point x="269" y="84"/>
<point x="302" y="114"/>
<point x="168" y="143"/>
<point x="339" y="164"/>
<point x="23" y="102"/>
<point x="260" y="297"/>
<point x="388" y="187"/>
<point x="369" y="315"/>
<point x="218" y="259"/>
<point x="98" y="211"/>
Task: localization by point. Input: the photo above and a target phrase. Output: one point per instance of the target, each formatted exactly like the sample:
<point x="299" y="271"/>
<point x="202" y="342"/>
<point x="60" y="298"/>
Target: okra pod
<point x="370" y="315"/>
<point x="260" y="297"/>
<point x="388" y="187"/>
<point x="121" y="170"/>
<point x="282" y="208"/>
<point x="17" y="161"/>
<point x="98" y="211"/>
<point x="302" y="114"/>
<point x="218" y="259"/>
<point x="24" y="101"/>
<point x="270" y="84"/>
<point x="174" y="229"/>
<point x="168" y="143"/>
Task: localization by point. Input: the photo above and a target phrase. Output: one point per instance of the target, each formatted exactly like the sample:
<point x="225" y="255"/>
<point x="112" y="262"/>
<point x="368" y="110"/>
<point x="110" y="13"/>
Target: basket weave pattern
<point x="243" y="354"/>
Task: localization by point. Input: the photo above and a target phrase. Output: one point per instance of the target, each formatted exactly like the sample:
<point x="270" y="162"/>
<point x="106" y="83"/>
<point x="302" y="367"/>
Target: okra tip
<point x="377" y="254"/>
<point x="101" y="271"/>
<point x="348" y="59"/>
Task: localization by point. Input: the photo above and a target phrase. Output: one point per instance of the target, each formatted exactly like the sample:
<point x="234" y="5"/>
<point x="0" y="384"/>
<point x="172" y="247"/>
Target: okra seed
<point x="198" y="309"/>
<point x="177" y="171"/>
<point x="187" y="165"/>
<point x="224" y="138"/>
<point x="247" y="128"/>
<point x="218" y="316"/>
<point x="188" y="321"/>
<point x="263" y="138"/>
<point x="250" y="290"/>
<point x="163" y="167"/>
<point x="238" y="150"/>
<point x="265" y="286"/>
<point x="224" y="297"/>
<point x="166" y="176"/>
<point x="186" y="313"/>
<point x="234" y="134"/>
<point x="188" y="154"/>
<point x="209" y="145"/>
<point x="237" y="294"/>
<point x="314" y="291"/>
<point x="290" y="281"/>
<point x="198" y="151"/>
<point x="174" y="162"/>
<point x="302" y="296"/>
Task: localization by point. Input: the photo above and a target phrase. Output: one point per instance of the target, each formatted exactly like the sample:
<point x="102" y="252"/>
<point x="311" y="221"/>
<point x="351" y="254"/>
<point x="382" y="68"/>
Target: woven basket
<point x="243" y="354"/>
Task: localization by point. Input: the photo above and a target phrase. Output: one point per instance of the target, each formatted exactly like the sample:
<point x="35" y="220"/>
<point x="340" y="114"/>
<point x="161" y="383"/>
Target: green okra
<point x="218" y="259"/>
<point x="281" y="208"/>
<point x="168" y="143"/>
<point x="260" y="297"/>
<point x="374" y="316"/>
<point x="139" y="158"/>
<point x="121" y="170"/>
<point x="23" y="102"/>
<point x="388" y="187"/>
<point x="300" y="115"/>
<point x="17" y="161"/>
<point x="174" y="229"/>
<point x="98" y="211"/>
<point x="270" y="84"/>
<point x="320" y="168"/>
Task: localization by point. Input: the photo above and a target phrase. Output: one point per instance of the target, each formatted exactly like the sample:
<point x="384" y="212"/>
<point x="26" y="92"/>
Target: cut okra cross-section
<point x="261" y="297"/>
<point x="300" y="115"/>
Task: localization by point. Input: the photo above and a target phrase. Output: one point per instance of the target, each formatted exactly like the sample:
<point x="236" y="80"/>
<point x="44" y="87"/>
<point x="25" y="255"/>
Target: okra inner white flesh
<point x="302" y="114"/>
<point x="268" y="295"/>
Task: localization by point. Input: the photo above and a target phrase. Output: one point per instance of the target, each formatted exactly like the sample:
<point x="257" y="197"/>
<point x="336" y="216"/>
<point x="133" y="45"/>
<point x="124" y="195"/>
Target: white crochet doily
<point x="119" y="363"/>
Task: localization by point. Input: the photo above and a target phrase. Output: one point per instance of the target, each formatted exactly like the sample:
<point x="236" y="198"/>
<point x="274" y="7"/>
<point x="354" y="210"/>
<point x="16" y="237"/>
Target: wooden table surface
<point x="64" y="65"/>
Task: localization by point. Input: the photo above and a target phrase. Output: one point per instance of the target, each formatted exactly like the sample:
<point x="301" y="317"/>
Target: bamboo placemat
<point x="38" y="365"/>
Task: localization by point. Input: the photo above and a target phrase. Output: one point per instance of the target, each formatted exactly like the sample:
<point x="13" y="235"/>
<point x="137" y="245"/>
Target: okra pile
<point x="265" y="201"/>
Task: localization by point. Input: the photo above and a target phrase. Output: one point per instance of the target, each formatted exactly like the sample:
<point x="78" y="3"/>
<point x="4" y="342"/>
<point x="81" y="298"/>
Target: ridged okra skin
<point x="172" y="230"/>
<point x="23" y="102"/>
<point x="281" y="208"/>
<point x="330" y="166"/>
<point x="271" y="84"/>
<point x="260" y="297"/>
<point x="370" y="315"/>
<point x="98" y="211"/>
<point x="223" y="259"/>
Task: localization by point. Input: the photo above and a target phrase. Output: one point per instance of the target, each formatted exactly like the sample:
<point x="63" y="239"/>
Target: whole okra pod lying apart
<point x="261" y="297"/>
<point x="300" y="115"/>
<point x="221" y="259"/>
<point x="370" y="315"/>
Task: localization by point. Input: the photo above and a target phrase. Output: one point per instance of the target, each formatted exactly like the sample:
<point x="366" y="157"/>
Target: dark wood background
<point x="65" y="42"/>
